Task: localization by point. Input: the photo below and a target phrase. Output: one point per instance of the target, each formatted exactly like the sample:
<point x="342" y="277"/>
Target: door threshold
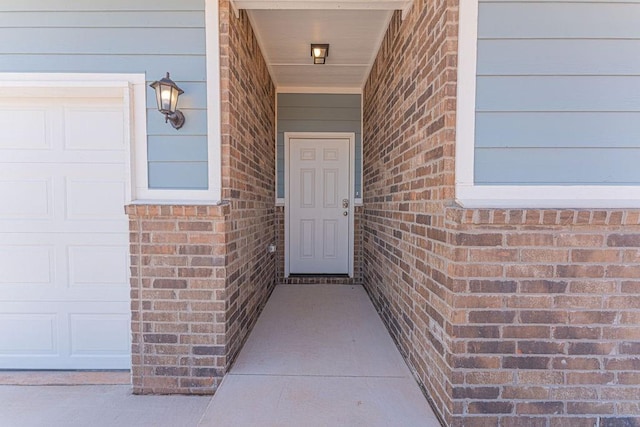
<point x="323" y="276"/>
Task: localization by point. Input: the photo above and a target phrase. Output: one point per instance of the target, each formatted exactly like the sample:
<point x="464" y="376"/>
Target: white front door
<point x="64" y="292"/>
<point x="319" y="205"/>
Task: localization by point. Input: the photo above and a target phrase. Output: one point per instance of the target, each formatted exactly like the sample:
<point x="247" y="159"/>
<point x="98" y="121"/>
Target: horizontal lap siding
<point x="319" y="113"/>
<point x="558" y="98"/>
<point x="146" y="36"/>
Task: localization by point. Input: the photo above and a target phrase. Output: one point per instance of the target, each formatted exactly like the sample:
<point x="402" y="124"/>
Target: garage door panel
<point x="44" y="227"/>
<point x="70" y="267"/>
<point x="59" y="295"/>
<point x="94" y="199"/>
<point x="37" y="334"/>
<point x="93" y="334"/>
<point x="22" y="198"/>
<point x="21" y="264"/>
<point x="64" y="240"/>
<point x="65" y="335"/>
<point x="86" y="199"/>
<point x="98" y="265"/>
<point x="80" y="124"/>
<point x="24" y="128"/>
<point x="28" y="158"/>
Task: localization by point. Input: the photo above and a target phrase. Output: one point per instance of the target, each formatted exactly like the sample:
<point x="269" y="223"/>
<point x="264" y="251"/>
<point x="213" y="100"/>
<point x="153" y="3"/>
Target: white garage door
<point x="64" y="297"/>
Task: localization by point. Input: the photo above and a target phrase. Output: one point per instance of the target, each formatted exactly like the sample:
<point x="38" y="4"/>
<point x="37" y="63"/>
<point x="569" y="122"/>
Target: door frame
<point x="351" y="137"/>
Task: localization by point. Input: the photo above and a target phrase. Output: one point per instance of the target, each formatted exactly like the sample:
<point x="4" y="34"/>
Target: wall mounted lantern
<point x="167" y="93"/>
<point x="319" y="52"/>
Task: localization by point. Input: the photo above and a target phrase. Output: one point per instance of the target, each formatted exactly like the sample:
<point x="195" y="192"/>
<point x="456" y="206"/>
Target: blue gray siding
<point x="123" y="36"/>
<point x="558" y="93"/>
<point x="319" y="113"/>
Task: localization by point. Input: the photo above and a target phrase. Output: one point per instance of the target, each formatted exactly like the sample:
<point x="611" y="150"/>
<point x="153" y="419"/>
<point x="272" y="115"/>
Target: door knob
<point x="345" y="213"/>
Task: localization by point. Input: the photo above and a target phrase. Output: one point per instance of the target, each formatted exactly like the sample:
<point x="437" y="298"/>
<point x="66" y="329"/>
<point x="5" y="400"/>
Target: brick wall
<point x="409" y="120"/>
<point x="248" y="151"/>
<point x="507" y="317"/>
<point x="177" y="298"/>
<point x="547" y="316"/>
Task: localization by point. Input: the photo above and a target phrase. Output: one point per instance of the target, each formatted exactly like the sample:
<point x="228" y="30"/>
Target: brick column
<point x="547" y="314"/>
<point x="177" y="298"/>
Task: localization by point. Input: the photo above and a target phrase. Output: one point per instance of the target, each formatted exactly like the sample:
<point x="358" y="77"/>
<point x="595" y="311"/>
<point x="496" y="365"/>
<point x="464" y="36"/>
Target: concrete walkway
<point x="319" y="356"/>
<point x="95" y="406"/>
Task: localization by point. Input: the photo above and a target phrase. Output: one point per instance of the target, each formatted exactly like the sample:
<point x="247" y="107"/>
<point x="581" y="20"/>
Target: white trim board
<point x="321" y="135"/>
<point x="470" y="195"/>
<point x="214" y="101"/>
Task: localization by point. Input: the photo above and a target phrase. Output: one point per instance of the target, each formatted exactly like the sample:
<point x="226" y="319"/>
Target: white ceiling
<point x="354" y="29"/>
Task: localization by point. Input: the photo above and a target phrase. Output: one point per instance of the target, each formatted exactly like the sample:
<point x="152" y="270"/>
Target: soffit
<point x="354" y="29"/>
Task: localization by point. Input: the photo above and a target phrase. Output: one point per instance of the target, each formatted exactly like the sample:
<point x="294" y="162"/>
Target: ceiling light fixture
<point x="319" y="52"/>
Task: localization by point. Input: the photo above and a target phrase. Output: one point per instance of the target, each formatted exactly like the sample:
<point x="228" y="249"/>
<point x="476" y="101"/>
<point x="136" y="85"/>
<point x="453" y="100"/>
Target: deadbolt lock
<point x="345" y="203"/>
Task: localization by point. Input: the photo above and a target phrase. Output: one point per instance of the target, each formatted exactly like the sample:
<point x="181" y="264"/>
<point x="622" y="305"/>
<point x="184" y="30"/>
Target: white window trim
<point x="470" y="195"/>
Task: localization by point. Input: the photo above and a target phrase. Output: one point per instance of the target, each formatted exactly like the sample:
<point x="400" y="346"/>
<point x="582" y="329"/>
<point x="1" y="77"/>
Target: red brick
<point x="631" y="286"/>
<point x="624" y="240"/>
<point x="544" y="316"/>
<point x="528" y="362"/>
<point x="530" y="239"/>
<point x="590" y="377"/>
<point x="595" y="255"/>
<point x="492" y="286"/>
<point x="540" y="347"/>
<point x="525" y="392"/>
<point x="580" y="240"/>
<point x="581" y="271"/>
<point x="526" y="331"/>
<point x="588" y="348"/>
<point x="579" y="363"/>
<point x="543" y="286"/>
<point x="544" y="255"/>
<point x="476" y="392"/>
<point x="577" y="332"/>
<point x="504" y="347"/>
<point x="490" y="407"/>
<point x="540" y="407"/>
<point x="465" y="239"/>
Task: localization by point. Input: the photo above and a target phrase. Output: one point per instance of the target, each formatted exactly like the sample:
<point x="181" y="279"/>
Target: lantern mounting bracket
<point x="176" y="119"/>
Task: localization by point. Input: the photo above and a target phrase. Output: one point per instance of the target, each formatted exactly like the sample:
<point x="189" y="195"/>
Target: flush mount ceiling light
<point x="319" y="52"/>
<point x="167" y="93"/>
